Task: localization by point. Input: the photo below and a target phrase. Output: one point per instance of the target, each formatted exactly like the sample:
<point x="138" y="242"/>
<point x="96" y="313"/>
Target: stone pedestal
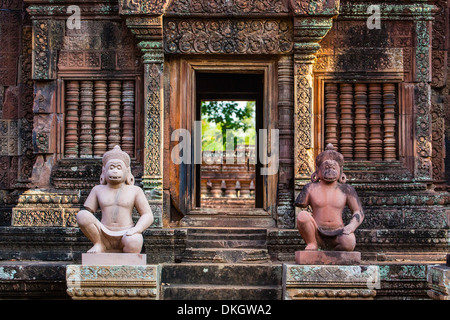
<point x="438" y="278"/>
<point x="120" y="282"/>
<point x="328" y="257"/>
<point x="113" y="259"/>
<point x="311" y="282"/>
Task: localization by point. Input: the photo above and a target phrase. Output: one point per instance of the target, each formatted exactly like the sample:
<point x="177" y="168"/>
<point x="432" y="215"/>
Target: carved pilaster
<point x="285" y="208"/>
<point x="422" y="97"/>
<point x="47" y="35"/>
<point x="303" y="134"/>
<point x="308" y="32"/>
<point x="285" y="115"/>
<point x="148" y="31"/>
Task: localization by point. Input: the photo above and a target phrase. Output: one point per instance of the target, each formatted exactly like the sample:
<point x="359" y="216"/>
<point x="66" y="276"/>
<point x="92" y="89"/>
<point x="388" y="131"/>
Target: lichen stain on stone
<point x="7" y="274"/>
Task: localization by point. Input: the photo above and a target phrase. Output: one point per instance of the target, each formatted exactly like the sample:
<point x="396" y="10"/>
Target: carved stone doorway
<point x="190" y="81"/>
<point x="229" y="106"/>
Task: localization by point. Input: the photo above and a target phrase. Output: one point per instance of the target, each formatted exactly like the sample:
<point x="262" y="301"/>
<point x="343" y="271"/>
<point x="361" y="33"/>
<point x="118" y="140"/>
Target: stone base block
<point x="113" y="259"/>
<point x="327" y="257"/>
<point x="113" y="282"/>
<point x="438" y="278"/>
<point x="310" y="282"/>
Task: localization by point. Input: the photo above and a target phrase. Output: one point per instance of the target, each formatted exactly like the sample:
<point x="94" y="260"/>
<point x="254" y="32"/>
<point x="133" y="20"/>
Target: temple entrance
<point x="229" y="107"/>
<point x="211" y="187"/>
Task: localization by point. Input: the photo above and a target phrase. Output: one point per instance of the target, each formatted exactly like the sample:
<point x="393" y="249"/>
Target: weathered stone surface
<point x="438" y="277"/>
<point x="212" y="281"/>
<point x="329" y="282"/>
<point x="328" y="257"/>
<point x="112" y="282"/>
<point x="402" y="281"/>
<point x="32" y="280"/>
<point x="67" y="244"/>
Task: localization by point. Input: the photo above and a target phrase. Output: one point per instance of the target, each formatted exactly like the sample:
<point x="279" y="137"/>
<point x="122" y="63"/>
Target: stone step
<point x="211" y="292"/>
<point x="239" y="243"/>
<point x="226" y="234"/>
<point x="240" y="231"/>
<point x="225" y="255"/>
<point x="226" y="221"/>
<point x="221" y="274"/>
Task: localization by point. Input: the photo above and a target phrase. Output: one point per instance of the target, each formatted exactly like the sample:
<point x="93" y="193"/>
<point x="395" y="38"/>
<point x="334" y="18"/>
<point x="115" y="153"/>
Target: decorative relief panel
<point x="130" y="7"/>
<point x="98" y="45"/>
<point x="249" y="36"/>
<point x="47" y="35"/>
<point x="9" y="138"/>
<point x="212" y="7"/>
<point x="371" y="50"/>
<point x="10" y="22"/>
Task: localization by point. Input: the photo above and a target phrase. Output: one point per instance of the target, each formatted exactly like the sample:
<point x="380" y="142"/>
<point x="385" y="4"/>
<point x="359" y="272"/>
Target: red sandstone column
<point x="86" y="119"/>
<point x="346" y="101"/>
<point x="390" y="148"/>
<point x="331" y="115"/>
<point x="128" y="117"/>
<point x="100" y="118"/>
<point x="361" y="121"/>
<point x="72" y="105"/>
<point x="375" y="137"/>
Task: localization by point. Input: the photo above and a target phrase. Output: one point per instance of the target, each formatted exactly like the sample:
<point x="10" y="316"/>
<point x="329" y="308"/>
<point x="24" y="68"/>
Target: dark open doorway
<point x="229" y="176"/>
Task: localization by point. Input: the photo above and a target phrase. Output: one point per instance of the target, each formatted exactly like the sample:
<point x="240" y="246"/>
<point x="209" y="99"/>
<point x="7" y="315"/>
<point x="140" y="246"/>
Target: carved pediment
<point x="228" y="7"/>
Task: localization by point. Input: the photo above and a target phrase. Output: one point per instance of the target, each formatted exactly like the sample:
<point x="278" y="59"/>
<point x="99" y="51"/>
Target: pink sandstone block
<point x="328" y="257"/>
<point x="113" y="259"/>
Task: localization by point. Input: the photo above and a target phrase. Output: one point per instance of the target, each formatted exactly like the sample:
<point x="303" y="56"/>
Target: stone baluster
<point x="72" y="105"/>
<point x="86" y="119"/>
<point x="389" y="121"/>
<point x="128" y="117"/>
<point x="114" y="99"/>
<point x="331" y="114"/>
<point x="100" y="118"/>
<point x="215" y="189"/>
<point x="361" y="121"/>
<point x="346" y="103"/>
<point x="375" y="122"/>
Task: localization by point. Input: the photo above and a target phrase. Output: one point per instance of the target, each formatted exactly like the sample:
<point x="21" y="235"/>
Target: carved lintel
<point x="228" y="36"/>
<point x="142" y="7"/>
<point x="314" y="7"/>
